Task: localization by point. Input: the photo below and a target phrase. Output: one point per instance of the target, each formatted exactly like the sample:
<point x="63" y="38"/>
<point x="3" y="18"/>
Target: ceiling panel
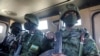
<point x="21" y="7"/>
<point x="82" y="4"/>
<point x="43" y="8"/>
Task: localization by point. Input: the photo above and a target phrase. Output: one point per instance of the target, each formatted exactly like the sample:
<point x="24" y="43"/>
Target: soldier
<point x="15" y="30"/>
<point x="32" y="42"/>
<point x="9" y="44"/>
<point x="12" y="38"/>
<point x="75" y="42"/>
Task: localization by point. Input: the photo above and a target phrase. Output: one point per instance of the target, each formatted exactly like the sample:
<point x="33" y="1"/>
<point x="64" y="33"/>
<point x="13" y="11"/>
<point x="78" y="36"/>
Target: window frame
<point x="93" y="23"/>
<point x="7" y="25"/>
<point x="46" y="24"/>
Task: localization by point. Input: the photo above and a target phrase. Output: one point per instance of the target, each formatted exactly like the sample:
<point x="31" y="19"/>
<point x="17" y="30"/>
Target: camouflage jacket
<point x="32" y="44"/>
<point x="10" y="38"/>
<point x="71" y="43"/>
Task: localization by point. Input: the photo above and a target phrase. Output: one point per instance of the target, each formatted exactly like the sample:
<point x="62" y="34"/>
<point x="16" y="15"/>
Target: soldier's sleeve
<point x="90" y="48"/>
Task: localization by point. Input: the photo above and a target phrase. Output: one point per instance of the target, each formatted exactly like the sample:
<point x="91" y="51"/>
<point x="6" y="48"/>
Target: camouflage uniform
<point x="15" y="31"/>
<point x="71" y="43"/>
<point x="12" y="39"/>
<point x="32" y="42"/>
<point x="35" y="41"/>
<point x="71" y="39"/>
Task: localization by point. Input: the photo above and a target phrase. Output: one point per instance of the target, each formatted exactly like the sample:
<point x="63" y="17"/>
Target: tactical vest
<point x="32" y="44"/>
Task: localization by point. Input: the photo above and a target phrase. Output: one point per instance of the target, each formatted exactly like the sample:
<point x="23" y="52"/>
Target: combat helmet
<point x="70" y="8"/>
<point x="32" y="18"/>
<point x="16" y="25"/>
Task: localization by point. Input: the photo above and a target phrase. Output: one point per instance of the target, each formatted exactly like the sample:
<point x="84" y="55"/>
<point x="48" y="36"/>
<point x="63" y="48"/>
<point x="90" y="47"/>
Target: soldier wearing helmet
<point x="12" y="38"/>
<point x="75" y="42"/>
<point x="32" y="21"/>
<point x="16" y="28"/>
<point x="70" y="15"/>
<point x="31" y="44"/>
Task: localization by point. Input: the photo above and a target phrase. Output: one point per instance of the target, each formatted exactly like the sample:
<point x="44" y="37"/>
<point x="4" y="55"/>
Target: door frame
<point x="93" y="23"/>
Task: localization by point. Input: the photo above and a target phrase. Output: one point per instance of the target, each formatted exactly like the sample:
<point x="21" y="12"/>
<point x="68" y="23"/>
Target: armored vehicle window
<point x="3" y="28"/>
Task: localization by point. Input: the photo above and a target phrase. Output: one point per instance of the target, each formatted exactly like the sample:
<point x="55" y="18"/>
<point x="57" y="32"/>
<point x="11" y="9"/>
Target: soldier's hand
<point x="50" y="35"/>
<point x="58" y="54"/>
